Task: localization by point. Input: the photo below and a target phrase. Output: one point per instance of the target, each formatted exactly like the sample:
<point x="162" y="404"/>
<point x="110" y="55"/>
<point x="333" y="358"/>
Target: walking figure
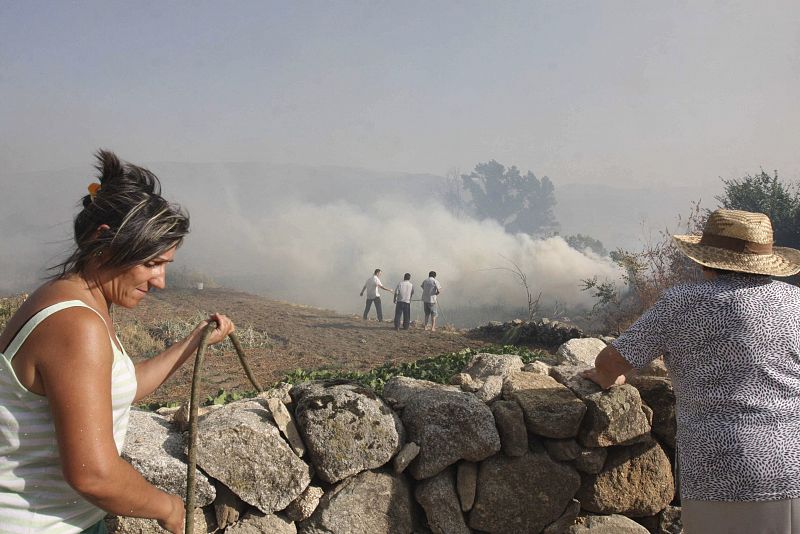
<point x="371" y="286"/>
<point x="402" y="299"/>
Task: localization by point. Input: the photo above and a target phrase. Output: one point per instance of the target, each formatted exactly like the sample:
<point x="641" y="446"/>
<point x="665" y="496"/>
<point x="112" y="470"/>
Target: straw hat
<point x="739" y="241"/>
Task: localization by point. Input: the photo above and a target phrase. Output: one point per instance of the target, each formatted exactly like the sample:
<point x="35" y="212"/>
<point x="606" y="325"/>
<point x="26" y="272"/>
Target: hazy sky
<point x="594" y="91"/>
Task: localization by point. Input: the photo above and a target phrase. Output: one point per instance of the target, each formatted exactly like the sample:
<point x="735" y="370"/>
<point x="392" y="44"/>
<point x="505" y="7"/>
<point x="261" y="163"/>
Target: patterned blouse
<point x="732" y="347"/>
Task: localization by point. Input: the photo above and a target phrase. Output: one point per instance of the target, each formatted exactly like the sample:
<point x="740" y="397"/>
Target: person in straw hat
<point x="731" y="344"/>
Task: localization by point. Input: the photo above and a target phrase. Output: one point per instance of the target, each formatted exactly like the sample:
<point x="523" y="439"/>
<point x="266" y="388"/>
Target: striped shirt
<point x="34" y="497"/>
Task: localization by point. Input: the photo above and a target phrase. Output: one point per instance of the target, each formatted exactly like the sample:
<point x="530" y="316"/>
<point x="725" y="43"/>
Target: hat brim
<point x="782" y="262"/>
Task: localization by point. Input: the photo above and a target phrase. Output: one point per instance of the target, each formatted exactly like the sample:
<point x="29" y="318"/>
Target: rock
<point x="560" y="525"/>
<point x="227" y="506"/>
<point x="537" y="367"/>
<point x="485" y="365"/>
<point x="280" y="392"/>
<point x="369" y="502"/>
<point x="510" y="423"/>
<point x="406" y="455"/>
<point x="547" y="487"/>
<point x="562" y="450"/>
<point x="655" y="368"/>
<point x="606" y="524"/>
<point x="465" y="382"/>
<point x="346" y="427"/>
<point x="613" y="416"/>
<point x="302" y="507"/>
<point x="490" y="389"/>
<point x="400" y="389"/>
<point x="203" y="522"/>
<point x="669" y="520"/>
<point x="167" y="411"/>
<point x="564" y="373"/>
<point x="255" y="522"/>
<point x="158" y="452"/>
<point x="285" y="423"/>
<point x="448" y="426"/>
<point x="591" y="460"/>
<point x="437" y="496"/>
<point x="240" y="446"/>
<point x="648" y="414"/>
<point x="180" y="417"/>
<point x="580" y="351"/>
<point x="466" y="484"/>
<point x="636" y="481"/>
<point x="608" y="340"/>
<point x="657" y="393"/>
<point x="551" y="410"/>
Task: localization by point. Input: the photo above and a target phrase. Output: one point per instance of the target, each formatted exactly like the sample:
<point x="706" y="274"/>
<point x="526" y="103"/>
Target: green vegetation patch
<point x="437" y="369"/>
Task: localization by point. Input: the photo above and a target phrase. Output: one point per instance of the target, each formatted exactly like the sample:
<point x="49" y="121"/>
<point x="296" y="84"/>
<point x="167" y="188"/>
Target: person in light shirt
<point x="430" y="289"/>
<point x="402" y="299"/>
<point x="731" y="344"/>
<point x="371" y="287"/>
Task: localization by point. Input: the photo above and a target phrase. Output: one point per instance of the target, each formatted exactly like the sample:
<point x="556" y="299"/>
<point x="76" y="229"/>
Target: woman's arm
<point x="75" y="371"/>
<point x="152" y="372"/>
<point x="609" y="368"/>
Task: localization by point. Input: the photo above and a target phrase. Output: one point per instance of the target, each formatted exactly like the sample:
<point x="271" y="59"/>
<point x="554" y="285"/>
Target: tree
<point x="769" y="195"/>
<point x="581" y="242"/>
<point x="521" y="203"/>
<point x="452" y="193"/>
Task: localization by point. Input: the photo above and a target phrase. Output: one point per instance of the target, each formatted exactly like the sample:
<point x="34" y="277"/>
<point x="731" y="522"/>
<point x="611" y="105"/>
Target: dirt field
<point x="301" y="337"/>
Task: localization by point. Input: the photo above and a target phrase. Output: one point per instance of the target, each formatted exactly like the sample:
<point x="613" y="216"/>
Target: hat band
<point x="736" y="245"/>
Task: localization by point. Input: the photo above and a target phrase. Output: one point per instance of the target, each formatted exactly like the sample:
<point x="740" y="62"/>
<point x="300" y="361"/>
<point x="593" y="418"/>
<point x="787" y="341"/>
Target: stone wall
<point x="504" y="449"/>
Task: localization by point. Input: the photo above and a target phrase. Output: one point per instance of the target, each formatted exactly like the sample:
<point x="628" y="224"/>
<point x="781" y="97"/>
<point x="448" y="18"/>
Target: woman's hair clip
<point x="93" y="189"/>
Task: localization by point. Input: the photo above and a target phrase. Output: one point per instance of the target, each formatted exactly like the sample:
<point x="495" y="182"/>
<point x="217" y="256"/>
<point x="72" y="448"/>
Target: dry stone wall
<point x="508" y="449"/>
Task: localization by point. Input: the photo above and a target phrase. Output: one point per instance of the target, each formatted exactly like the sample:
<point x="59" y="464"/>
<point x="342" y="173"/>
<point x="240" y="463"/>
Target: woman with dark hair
<point x="732" y="347"/>
<point x="66" y="383"/>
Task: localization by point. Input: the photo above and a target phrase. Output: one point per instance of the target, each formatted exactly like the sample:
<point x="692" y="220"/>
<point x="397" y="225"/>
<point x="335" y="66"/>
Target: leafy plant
<point x="437" y="369"/>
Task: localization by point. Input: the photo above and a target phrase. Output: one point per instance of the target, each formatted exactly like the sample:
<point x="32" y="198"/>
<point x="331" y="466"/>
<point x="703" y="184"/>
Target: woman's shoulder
<point x="57" y="292"/>
<point x="54" y="292"/>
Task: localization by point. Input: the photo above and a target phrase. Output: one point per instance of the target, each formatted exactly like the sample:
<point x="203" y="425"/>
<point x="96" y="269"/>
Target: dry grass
<point x="8" y="306"/>
<point x="146" y="341"/>
<point x="137" y="340"/>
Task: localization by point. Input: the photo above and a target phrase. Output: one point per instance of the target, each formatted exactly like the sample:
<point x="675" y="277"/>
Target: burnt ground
<point x="301" y="337"/>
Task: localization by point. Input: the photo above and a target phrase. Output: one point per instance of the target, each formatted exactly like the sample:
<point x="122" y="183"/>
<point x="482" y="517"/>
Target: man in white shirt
<point x="402" y="299"/>
<point x="430" y="288"/>
<point x="371" y="286"/>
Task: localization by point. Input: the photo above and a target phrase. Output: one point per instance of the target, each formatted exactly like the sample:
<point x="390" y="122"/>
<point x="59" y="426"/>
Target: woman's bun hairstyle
<point x="141" y="223"/>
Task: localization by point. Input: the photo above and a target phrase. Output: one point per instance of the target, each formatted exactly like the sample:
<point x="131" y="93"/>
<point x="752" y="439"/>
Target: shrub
<point x="647" y="274"/>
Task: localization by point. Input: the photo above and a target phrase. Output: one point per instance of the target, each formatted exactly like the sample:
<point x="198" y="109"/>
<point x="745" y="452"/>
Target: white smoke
<point x="322" y="254"/>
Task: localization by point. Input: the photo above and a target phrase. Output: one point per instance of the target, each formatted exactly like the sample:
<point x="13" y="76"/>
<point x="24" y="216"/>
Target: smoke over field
<point x="321" y="255"/>
<point x="313" y="235"/>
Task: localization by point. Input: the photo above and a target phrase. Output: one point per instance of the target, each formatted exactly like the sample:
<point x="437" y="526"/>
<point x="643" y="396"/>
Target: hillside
<point x="296" y="337"/>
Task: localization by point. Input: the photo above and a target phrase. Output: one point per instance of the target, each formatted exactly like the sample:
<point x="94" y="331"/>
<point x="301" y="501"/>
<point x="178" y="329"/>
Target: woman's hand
<point x="609" y="368"/>
<point x="224" y="327"/>
<point x="152" y="372"/>
<point x="594" y="376"/>
<point x="175" y="521"/>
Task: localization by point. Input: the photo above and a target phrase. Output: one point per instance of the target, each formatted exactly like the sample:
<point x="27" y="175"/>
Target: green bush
<point x="437" y="369"/>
